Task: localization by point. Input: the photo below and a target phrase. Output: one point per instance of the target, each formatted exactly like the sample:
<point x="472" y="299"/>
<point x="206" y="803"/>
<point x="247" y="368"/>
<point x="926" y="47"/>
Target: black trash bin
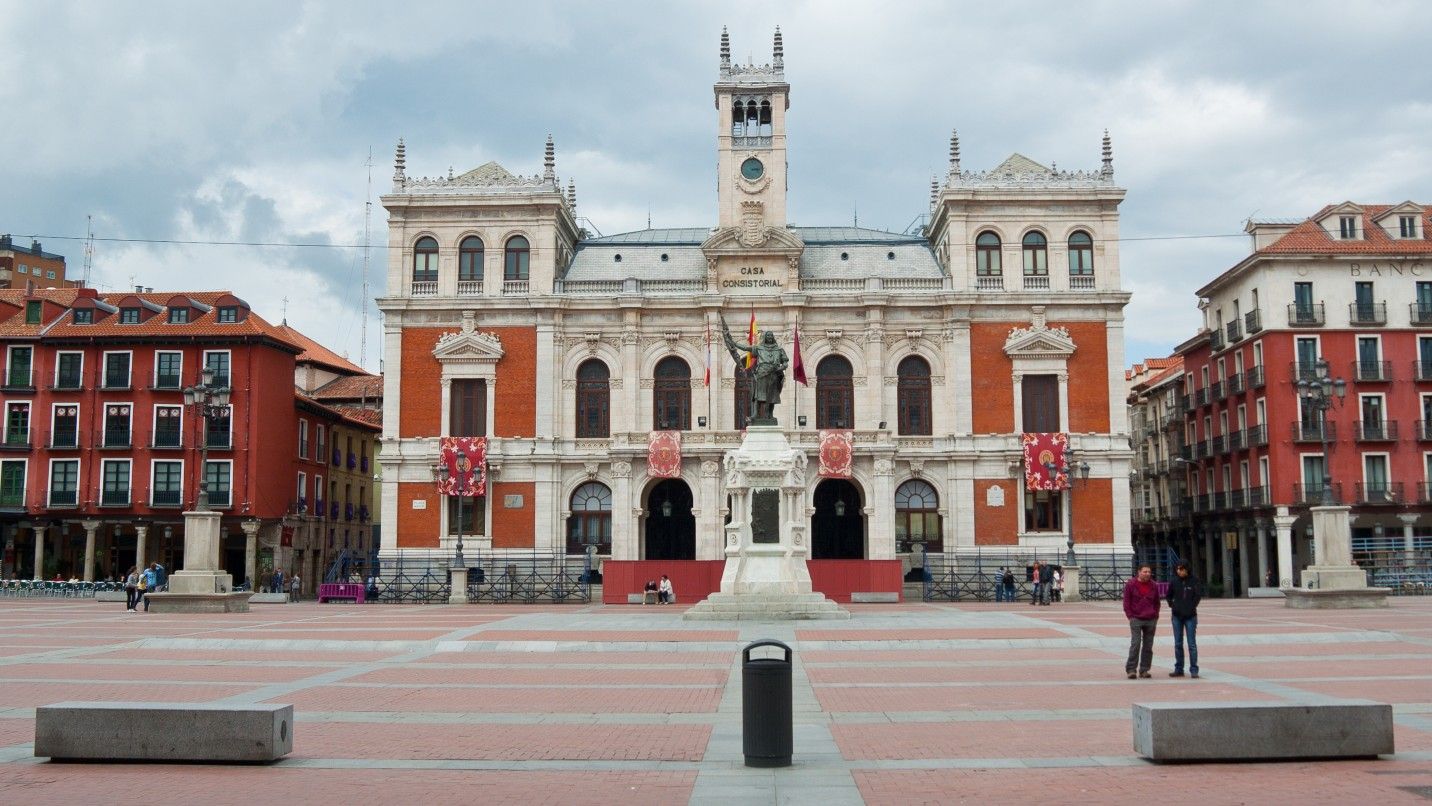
<point x="766" y="706"/>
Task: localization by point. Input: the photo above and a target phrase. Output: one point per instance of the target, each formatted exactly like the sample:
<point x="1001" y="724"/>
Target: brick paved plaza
<point x="913" y="703"/>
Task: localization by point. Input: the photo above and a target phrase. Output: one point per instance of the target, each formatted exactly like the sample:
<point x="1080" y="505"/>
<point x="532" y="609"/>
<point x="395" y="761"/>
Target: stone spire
<point x="400" y="163"/>
<point x="954" y="152"/>
<point x="725" y="51"/>
<point x="549" y="162"/>
<point x="1108" y="169"/>
<point x="934" y="190"/>
<point x="572" y="197"/>
<point x="778" y="53"/>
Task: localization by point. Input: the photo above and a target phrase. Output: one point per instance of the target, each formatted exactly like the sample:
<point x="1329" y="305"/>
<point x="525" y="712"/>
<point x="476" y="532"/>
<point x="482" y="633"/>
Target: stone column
<point x="40" y="531"/>
<point x="869" y="407"/>
<point x="1227" y="563"/>
<point x="91" y="526"/>
<point x="1206" y="538"/>
<point x="251" y="552"/>
<point x="711" y="537"/>
<point x="141" y="537"/>
<point x="1244" y="534"/>
<point x="881" y="506"/>
<point x="1283" y="525"/>
<point x="624" y="537"/>
<point x="1262" y="552"/>
<point x="1409" y="519"/>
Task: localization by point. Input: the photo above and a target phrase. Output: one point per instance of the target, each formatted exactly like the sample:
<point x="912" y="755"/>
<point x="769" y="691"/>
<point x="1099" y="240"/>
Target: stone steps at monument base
<point x="773" y="607"/>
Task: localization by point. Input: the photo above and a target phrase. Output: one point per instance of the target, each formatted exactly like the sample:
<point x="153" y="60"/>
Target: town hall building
<point x="591" y="370"/>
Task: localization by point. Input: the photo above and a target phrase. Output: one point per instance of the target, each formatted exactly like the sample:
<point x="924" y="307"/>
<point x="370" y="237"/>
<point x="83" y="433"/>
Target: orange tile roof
<point x="352" y="387"/>
<point x="1310" y="238"/>
<point x="362" y="418"/>
<point x="318" y="354"/>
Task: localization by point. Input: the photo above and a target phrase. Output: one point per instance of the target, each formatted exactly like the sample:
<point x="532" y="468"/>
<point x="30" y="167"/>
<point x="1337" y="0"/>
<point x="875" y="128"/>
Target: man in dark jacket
<point x="1141" y="608"/>
<point x="1184" y="594"/>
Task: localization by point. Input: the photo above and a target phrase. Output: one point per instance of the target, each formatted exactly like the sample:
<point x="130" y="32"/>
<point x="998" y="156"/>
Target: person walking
<point x="1141" y="608"/>
<point x="150" y="584"/>
<point x="1184" y="594"/>
<point x="131" y="589"/>
<point x="1058" y="585"/>
<point x="295" y="586"/>
<point x="1039" y="575"/>
<point x="999" y="584"/>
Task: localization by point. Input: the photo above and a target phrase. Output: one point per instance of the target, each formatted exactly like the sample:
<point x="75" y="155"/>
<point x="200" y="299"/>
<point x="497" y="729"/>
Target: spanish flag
<point x="751" y="340"/>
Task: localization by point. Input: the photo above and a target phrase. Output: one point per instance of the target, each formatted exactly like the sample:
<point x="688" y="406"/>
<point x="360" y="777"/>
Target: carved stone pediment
<point x="744" y="241"/>
<point x="1039" y="342"/>
<point x="470" y="346"/>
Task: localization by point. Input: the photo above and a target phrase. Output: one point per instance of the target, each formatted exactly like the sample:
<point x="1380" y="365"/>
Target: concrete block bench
<point x="159" y="731"/>
<point x="875" y="597"/>
<point x="1245" y="731"/>
<point x="269" y="598"/>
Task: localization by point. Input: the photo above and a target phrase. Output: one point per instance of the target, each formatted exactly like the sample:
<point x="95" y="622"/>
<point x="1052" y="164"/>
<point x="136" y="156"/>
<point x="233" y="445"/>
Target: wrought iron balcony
<point x="1424" y="492"/>
<point x="1424" y="430"/>
<point x="1235" y="384"/>
<point x="1312" y="494"/>
<point x="1257" y="435"/>
<point x="1375" y="493"/>
<point x="114" y="498"/>
<point x="63" y="439"/>
<point x="116" y="380"/>
<point x="1258" y="496"/>
<point x="67" y="381"/>
<point x="1421" y="313"/>
<point x="1309" y="315"/>
<point x="1372" y="371"/>
<point x="16" y="439"/>
<point x="165" y="382"/>
<point x="114" y="438"/>
<point x="1253" y="321"/>
<point x="62" y="499"/>
<point x="1187" y="402"/>
<point x="1303" y="370"/>
<point x="165" y="499"/>
<point x="1255" y="377"/>
<point x="1218" y="391"/>
<point x="219" y="441"/>
<point x="1217" y="445"/>
<point x="1220" y="501"/>
<point x="1236" y="440"/>
<point x="19" y="379"/>
<point x="1233" y="330"/>
<point x="1423" y="369"/>
<point x="1201" y="397"/>
<point x="1215" y="340"/>
<point x="1367" y="313"/>
<point x="1377" y="430"/>
<point x="161" y="440"/>
<point x="1313" y="432"/>
<point x="12" y="499"/>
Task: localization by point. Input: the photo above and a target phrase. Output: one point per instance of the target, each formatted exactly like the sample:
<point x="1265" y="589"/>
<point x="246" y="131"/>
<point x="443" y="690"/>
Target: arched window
<point x="671" y="403"/>
<point x="1081" y="254"/>
<point x="518" y="253"/>
<point x="1036" y="255"/>
<point x="469" y="259"/>
<point x="987" y="263"/>
<point x="742" y="400"/>
<point x="913" y="396"/>
<point x="593" y="400"/>
<point x="834" y="393"/>
<point x="425" y="260"/>
<point x="917" y="517"/>
<point x="590" y="523"/>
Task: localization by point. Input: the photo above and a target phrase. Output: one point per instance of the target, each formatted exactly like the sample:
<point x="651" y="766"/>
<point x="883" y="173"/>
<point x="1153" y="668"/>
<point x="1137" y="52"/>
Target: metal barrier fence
<point x="533" y="578"/>
<point x="1389" y="563"/>
<point x="53" y="589"/>
<point x="972" y="576"/>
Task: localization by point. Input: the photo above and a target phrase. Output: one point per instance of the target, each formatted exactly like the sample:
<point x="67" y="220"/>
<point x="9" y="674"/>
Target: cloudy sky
<point x="196" y="122"/>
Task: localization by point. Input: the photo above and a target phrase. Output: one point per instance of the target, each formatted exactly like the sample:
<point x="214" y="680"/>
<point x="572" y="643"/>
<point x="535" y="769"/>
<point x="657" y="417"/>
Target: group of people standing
<point x="1141" y="607"/>
<point x="1047" y="584"/>
<point x="139" y="583"/>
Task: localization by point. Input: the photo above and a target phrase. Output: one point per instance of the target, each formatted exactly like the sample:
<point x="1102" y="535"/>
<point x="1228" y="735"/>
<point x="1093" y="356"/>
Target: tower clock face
<point x="752" y="169"/>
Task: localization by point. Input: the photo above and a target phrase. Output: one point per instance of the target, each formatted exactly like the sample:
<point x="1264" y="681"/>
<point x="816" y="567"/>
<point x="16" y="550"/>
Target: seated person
<point x="649" y="593"/>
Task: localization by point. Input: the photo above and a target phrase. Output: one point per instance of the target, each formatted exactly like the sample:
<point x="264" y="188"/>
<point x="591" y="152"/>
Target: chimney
<point x="5" y="242"/>
<point x="35" y="246"/>
<point x="139" y="289"/>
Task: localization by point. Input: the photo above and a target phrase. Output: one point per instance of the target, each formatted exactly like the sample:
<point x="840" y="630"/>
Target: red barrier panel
<point x="692" y="580"/>
<point x="837" y="579"/>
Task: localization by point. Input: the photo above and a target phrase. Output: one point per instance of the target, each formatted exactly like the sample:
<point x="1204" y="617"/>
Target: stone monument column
<point x="91" y="526"/>
<point x="202" y="586"/>
<point x="1333" y="581"/>
<point x="141" y="538"/>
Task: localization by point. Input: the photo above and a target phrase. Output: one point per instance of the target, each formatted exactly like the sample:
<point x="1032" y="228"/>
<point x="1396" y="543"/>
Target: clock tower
<point x="751" y="103"/>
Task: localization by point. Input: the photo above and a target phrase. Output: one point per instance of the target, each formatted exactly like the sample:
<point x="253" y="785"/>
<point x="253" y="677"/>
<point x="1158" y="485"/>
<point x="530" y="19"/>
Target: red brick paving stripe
<point x="569" y="700"/>
<point x="1316" y="649"/>
<point x="999" y="656"/>
<point x="605" y="636"/>
<point x="993" y="673"/>
<point x="16" y="731"/>
<point x="1123" y="694"/>
<point x="30" y="695"/>
<point x="952" y="634"/>
<point x="178" y="655"/>
<point x="172" y="784"/>
<point x="1225" y="629"/>
<point x="598" y="658"/>
<point x="1054" y="738"/>
<point x="412" y="675"/>
<point x="318" y="635"/>
<point x="144" y="673"/>
<point x="1393" y="691"/>
<point x="1375" y="781"/>
<point x="491" y="742"/>
<point x="1264" y="670"/>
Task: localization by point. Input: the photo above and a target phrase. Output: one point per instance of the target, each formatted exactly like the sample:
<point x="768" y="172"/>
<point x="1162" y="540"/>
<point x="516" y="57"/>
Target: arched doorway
<point x="670" y="526"/>
<point x="837" y="528"/>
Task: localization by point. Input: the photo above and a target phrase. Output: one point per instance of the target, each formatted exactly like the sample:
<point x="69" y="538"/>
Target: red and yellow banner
<point x="467" y="473"/>
<point x="663" y="454"/>
<point x="837" y="453"/>
<point x="1040" y="451"/>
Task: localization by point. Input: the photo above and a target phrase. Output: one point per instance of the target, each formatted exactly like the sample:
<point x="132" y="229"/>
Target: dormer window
<point x="228" y="314"/>
<point x="178" y="316"/>
<point x="1347" y="227"/>
<point x="129" y="316"/>
<point x="33" y="312"/>
<point x="84" y="316"/>
<point x="1407" y="226"/>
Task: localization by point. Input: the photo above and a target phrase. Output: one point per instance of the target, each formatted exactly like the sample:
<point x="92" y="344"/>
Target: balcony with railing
<point x="988" y="283"/>
<point x="1236" y="440"/>
<point x="1424" y="430"/>
<point x="1200" y="449"/>
<point x="19" y="379"/>
<point x="469" y="288"/>
<point x="116" y="379"/>
<point x="113" y="439"/>
<point x="1257" y="436"/>
<point x="67" y="382"/>
<point x="1234" y="331"/>
<point x="12" y="499"/>
<point x="423" y="288"/>
<point x="1258" y="497"/>
<point x="1217" y="445"/>
<point x="1201" y="397"/>
<point x="1367" y="313"/>
<point x="1421" y="313"/>
<point x="1376" y="430"/>
<point x="511" y="287"/>
<point x="1422" y="369"/>
<point x="1036" y="282"/>
<point x="1219" y="390"/>
<point x="1307" y="315"/>
<point x="1200" y="503"/>
<point x="219" y="440"/>
<point x="1372" y="371"/>
<point x="165" y="382"/>
<point x="1235" y="384"/>
<point x="1215" y="340"/>
<point x="16" y="439"/>
<point x="62" y="439"/>
<point x="1255" y="377"/>
<point x="114" y="498"/>
<point x="1253" y="321"/>
<point x="164" y="439"/>
<point x="1188" y="402"/>
<point x="1312" y="494"/>
<point x="1303" y="370"/>
<point x="1313" y="432"/>
<point x="166" y="499"/>
<point x="1379" y="493"/>
<point x="62" y="499"/>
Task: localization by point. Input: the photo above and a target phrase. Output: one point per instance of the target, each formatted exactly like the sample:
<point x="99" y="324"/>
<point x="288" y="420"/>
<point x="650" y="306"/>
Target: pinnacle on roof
<point x="954" y="151"/>
<point x="400" y="162"/>
<point x="934" y="190"/>
<point x="549" y="161"/>
<point x="572" y="196"/>
<point x="778" y="52"/>
<point x="1108" y="169"/>
<point x="725" y="50"/>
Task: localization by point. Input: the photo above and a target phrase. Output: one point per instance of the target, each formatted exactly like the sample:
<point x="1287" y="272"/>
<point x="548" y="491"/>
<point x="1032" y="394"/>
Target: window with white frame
<point x="69" y="370"/>
<point x="115" y="480"/>
<point x="167" y="488"/>
<point x="218" y="361"/>
<point x="116" y="370"/>
<point x="301" y="496"/>
<point x="1347" y="227"/>
<point x="19" y="367"/>
<point x="17" y="423"/>
<point x="303" y="439"/>
<point x="219" y="476"/>
<point x="64" y="483"/>
<point x="168" y="369"/>
<point x="219" y="430"/>
<point x="12" y="483"/>
<point x="168" y="427"/>
<point x="65" y="425"/>
<point x="1376" y="483"/>
<point x="118" y="425"/>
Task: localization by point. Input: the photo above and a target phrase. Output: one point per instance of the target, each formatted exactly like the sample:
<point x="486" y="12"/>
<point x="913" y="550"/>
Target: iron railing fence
<point x="53" y="589"/>
<point x="1391" y="563"/>
<point x="971" y="576"/>
<point x="504" y="578"/>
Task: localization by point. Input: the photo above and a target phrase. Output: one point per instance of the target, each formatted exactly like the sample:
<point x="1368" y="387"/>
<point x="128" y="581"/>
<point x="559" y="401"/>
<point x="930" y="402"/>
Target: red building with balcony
<point x="1344" y="296"/>
<point x="100" y="456"/>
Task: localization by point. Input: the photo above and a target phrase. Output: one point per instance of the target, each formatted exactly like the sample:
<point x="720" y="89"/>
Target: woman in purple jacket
<point x="1141" y="608"/>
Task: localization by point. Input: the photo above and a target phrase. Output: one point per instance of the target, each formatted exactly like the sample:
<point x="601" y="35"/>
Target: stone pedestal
<point x="765" y="576"/>
<point x="1071" y="584"/>
<point x="1333" y="572"/>
<point x="201" y="587"/>
<point x="458" y="594"/>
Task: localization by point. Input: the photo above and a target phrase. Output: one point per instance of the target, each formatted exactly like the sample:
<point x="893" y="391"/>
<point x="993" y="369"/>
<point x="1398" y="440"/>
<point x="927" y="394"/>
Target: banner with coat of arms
<point x="663" y="454"/>
<point x="466" y="475"/>
<point x="1041" y="450"/>
<point x="837" y="453"/>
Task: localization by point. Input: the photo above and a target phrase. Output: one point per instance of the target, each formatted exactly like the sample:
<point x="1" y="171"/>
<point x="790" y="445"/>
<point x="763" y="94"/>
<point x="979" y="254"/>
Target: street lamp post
<point x="442" y="474"/>
<point x="211" y="402"/>
<point x="1075" y="470"/>
<point x="1319" y="393"/>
